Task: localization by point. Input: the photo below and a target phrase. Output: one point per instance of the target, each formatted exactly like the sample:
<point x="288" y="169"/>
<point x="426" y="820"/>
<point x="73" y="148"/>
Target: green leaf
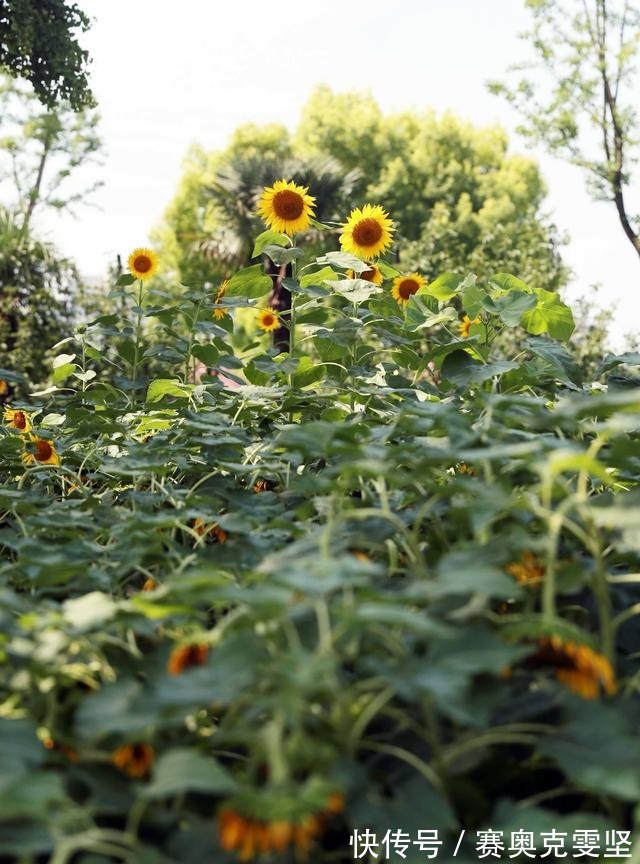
<point x="550" y="316"/>
<point x="209" y="354"/>
<point x="125" y="279"/>
<point x="354" y="290"/>
<point x="343" y="260"/>
<point x="561" y="364"/>
<point x="513" y="305"/>
<point x="444" y="287"/>
<point x="507" y="282"/>
<point x="162" y="387"/>
<point x="184" y="770"/>
<point x="251" y="282"/>
<point x="268" y="238"/>
<point x="318" y="277"/>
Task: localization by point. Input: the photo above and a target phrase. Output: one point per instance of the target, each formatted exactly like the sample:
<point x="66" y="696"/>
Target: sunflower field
<point x="304" y="567"/>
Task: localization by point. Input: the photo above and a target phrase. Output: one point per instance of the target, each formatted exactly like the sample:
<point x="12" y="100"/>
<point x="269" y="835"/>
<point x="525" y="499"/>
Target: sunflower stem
<point x="136" y="353"/>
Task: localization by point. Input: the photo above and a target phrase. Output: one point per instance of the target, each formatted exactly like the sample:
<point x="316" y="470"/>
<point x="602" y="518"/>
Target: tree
<point x="40" y="149"/>
<point x="459" y="199"/>
<point x="38" y="43"/>
<point x="578" y="97"/>
<point x="37" y="288"/>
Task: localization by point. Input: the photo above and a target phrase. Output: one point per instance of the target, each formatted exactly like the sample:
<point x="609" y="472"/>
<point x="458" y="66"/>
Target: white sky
<point x="167" y="74"/>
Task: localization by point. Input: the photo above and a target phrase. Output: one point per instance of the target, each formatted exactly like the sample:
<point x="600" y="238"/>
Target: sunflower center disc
<point x="287" y="204"/>
<point x="19" y="420"/>
<point x="43" y="451"/>
<point x="368" y="275"/>
<point x="267" y="320"/>
<point x="407" y="288"/>
<point x="142" y="264"/>
<point x="367" y="233"/>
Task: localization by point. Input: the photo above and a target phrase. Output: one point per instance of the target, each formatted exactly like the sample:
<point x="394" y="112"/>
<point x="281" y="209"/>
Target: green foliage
<point x="37" y="287"/>
<point x="316" y="587"/>
<point x="38" y="42"/>
<point x="460" y="200"/>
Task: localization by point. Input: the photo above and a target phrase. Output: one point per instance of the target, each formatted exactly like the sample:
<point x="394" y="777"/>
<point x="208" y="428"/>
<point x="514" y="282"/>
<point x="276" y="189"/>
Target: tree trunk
<point x="279" y="300"/>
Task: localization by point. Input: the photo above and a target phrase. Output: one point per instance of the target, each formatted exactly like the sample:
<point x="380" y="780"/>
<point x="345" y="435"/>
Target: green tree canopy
<point x="459" y="198"/>
<point x="38" y="42"/>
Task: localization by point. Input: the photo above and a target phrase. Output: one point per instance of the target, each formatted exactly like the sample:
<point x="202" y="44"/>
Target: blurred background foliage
<point x="460" y="200"/>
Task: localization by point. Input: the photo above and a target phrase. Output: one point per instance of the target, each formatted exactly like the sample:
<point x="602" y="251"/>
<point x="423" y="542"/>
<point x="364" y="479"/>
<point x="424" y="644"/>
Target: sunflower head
<point x="18" y="420"/>
<point x="187" y="657"/>
<point x="134" y="759"/>
<point x="406" y="286"/>
<point x="371" y="274"/>
<point x="40" y="451"/>
<point x="529" y="570"/>
<point x="577" y="666"/>
<point x="4" y="387"/>
<point x="286" y="207"/>
<point x="143" y="263"/>
<point x="268" y="319"/>
<point x="466" y="324"/>
<point x="220" y="312"/>
<point x="368" y="232"/>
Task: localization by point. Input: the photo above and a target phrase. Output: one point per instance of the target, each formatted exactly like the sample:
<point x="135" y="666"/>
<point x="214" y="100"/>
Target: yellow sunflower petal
<point x="368" y="232"/>
<point x="286" y="207"/>
<point x="268" y="319"/>
<point x="406" y="286"/>
<point x="143" y="263"/>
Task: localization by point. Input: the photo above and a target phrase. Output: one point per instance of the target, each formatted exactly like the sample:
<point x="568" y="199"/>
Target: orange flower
<point x="186" y="657"/>
<point x="528" y="571"/>
<point x="250" y="838"/>
<point x="149" y="584"/>
<point x="212" y="530"/>
<point x="134" y="759"/>
<point x="578" y="667"/>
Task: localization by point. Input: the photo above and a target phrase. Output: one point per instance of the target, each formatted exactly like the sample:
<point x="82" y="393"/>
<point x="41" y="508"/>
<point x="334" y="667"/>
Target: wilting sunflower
<point x="42" y="451"/>
<point x="268" y="319"/>
<point x="134" y="759"/>
<point x="219" y="312"/>
<point x="577" y="666"/>
<point x="143" y="263"/>
<point x="466" y="324"/>
<point x="19" y="420"/>
<point x="372" y="274"/>
<point x="367" y="233"/>
<point x="186" y="657"/>
<point x="405" y="287"/>
<point x="529" y="570"/>
<point x="286" y="207"/>
<point x="251" y="838"/>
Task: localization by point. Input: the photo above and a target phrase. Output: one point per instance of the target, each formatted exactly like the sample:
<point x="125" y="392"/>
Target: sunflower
<point x="371" y="274"/>
<point x="405" y="287"/>
<point x="529" y="570"/>
<point x="286" y="207"/>
<point x="186" y="657"/>
<point x="367" y="232"/>
<point x="4" y="387"/>
<point x="466" y="324"/>
<point x="211" y="530"/>
<point x="42" y="451"/>
<point x="149" y="584"/>
<point x="268" y="319"/>
<point x="134" y="759"/>
<point x="251" y="838"/>
<point x="220" y="311"/>
<point x="143" y="263"/>
<point x="577" y="666"/>
<point x="19" y="420"/>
